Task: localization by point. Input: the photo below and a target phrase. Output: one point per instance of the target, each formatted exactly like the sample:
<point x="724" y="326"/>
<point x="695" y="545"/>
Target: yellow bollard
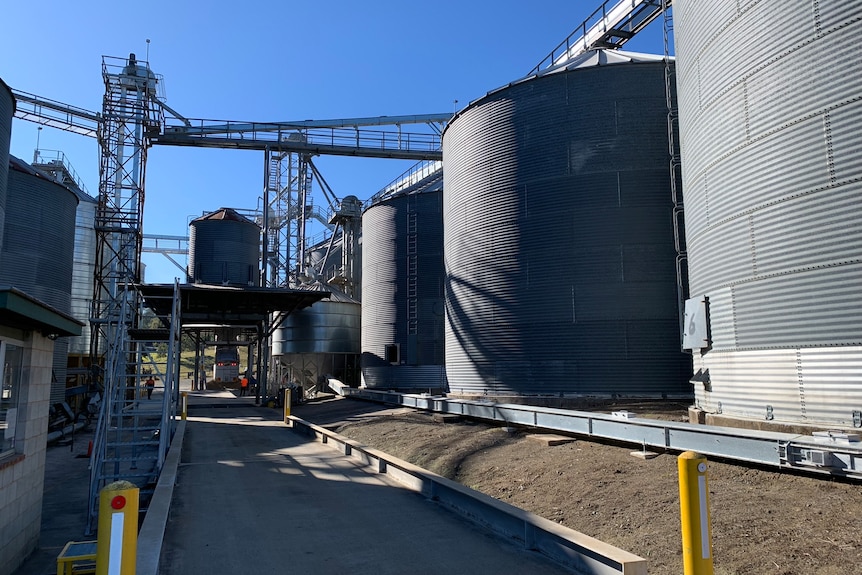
<point x="117" y="541"/>
<point x="694" y="514"/>
<point x="287" y="405"/>
<point x="185" y="413"/>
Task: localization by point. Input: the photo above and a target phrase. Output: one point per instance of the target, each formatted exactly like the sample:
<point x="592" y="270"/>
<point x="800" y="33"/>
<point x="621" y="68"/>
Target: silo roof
<point x="600" y="57"/>
<point x="20" y="165"/>
<point x="591" y="59"/>
<point x="335" y="293"/>
<point x="224" y="214"/>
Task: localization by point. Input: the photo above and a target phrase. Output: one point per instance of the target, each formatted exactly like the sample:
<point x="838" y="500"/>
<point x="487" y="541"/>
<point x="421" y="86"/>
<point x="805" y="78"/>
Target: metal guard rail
<point x="828" y="453"/>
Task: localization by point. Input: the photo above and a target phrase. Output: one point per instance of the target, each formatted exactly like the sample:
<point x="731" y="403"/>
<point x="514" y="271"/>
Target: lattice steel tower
<point x="130" y="115"/>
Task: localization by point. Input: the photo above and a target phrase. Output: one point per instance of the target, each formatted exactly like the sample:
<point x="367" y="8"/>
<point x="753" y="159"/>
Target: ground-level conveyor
<point x="834" y="453"/>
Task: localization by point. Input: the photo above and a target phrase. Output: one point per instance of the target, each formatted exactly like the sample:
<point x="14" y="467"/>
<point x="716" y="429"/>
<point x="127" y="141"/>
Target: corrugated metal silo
<point x="402" y="292"/>
<point x="559" y="244"/>
<point x="83" y="270"/>
<point x="320" y="340"/>
<point x="7" y="110"/>
<point x="770" y="142"/>
<point x="38" y="246"/>
<point x="224" y="249"/>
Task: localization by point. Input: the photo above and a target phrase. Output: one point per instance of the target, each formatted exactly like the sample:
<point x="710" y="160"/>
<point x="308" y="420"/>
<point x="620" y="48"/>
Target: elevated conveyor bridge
<point x="611" y="25"/>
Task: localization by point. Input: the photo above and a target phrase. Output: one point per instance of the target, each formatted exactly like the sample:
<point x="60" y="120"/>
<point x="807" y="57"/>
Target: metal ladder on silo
<point x="678" y="213"/>
<point x="412" y="272"/>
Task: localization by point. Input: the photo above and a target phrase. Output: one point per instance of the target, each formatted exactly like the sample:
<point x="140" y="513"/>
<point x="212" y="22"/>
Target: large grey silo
<point x="319" y="341"/>
<point x="559" y="243"/>
<point x="38" y="245"/>
<point x="770" y="140"/>
<point x="402" y="293"/>
<point x="224" y="249"/>
<point x="7" y="111"/>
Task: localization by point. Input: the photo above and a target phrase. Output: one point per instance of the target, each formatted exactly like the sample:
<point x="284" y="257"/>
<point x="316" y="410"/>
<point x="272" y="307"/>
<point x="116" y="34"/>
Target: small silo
<point x="224" y="249"/>
<point x="770" y="140"/>
<point x="38" y="246"/>
<point x="319" y="341"/>
<point x="7" y="111"/>
<point x="559" y="244"/>
<point x="402" y="291"/>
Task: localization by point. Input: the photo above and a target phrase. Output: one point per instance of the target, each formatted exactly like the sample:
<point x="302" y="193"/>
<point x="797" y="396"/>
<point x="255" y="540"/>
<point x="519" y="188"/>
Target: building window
<point x="11" y="356"/>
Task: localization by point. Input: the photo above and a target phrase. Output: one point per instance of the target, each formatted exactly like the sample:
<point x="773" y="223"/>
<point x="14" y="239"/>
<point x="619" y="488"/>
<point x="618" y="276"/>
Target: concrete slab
<point x="644" y="454"/>
<point x="550" y="439"/>
<point x="64" y="501"/>
<point x="252" y="496"/>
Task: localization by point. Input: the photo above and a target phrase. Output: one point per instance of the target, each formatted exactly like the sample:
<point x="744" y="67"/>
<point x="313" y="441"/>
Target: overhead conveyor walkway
<point x="610" y="26"/>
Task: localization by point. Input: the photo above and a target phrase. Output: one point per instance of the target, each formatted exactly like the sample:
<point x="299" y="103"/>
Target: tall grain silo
<point x="224" y="249"/>
<point x="402" y="292"/>
<point x="83" y="272"/>
<point x="559" y="244"/>
<point x="319" y="341"/>
<point x="37" y="249"/>
<point x="7" y="110"/>
<point x="770" y="140"/>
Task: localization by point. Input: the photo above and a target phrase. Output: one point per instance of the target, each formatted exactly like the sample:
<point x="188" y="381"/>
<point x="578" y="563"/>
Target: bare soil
<point x="763" y="521"/>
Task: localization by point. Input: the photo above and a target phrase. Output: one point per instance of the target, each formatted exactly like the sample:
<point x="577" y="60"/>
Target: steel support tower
<point x="130" y="115"/>
<point x="128" y="443"/>
<point x="287" y="209"/>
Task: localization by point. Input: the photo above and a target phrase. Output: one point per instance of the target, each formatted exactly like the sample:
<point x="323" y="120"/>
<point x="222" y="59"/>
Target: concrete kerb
<point x="568" y="547"/>
<point x="152" y="532"/>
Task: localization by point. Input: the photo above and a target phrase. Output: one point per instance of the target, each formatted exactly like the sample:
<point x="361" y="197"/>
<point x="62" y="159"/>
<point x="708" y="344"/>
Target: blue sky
<point x="262" y="60"/>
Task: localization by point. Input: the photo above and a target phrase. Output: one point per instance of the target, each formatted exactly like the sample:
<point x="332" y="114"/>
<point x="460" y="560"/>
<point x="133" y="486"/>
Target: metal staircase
<point x="133" y="432"/>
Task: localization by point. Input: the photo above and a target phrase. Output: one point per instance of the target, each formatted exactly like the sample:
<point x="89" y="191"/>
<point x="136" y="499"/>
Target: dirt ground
<point x="763" y="522"/>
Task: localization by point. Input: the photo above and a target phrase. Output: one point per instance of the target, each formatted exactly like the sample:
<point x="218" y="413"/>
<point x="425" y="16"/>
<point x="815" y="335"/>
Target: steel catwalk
<point x="770" y="143"/>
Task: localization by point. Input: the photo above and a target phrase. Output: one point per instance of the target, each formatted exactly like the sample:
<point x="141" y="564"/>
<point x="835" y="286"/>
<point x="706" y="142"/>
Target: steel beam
<point x="827" y="453"/>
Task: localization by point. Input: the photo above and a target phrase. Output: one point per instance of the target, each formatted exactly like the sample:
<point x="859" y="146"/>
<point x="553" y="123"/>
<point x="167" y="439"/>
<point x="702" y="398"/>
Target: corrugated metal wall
<point x="7" y="110"/>
<point x="325" y="327"/>
<point x="224" y="249"/>
<point x="83" y="270"/>
<point x="38" y="246"/>
<point x="770" y="138"/>
<point x="402" y="293"/>
<point x="559" y="247"/>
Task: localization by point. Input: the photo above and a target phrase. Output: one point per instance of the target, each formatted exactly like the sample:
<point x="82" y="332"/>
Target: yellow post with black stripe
<point x="185" y="405"/>
<point x="694" y="514"/>
<point x="117" y="541"/>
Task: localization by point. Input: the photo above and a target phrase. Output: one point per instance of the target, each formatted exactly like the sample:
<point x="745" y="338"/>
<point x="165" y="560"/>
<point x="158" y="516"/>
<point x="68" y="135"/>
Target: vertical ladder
<point x="412" y="272"/>
<point x="674" y="165"/>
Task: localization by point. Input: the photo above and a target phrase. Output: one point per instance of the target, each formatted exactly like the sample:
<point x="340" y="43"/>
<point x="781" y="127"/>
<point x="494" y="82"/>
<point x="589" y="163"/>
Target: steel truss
<point x="130" y="116"/>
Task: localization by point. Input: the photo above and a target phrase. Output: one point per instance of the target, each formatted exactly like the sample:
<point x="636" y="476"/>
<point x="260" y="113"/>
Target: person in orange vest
<point x="243" y="386"/>
<point x="151" y="384"/>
